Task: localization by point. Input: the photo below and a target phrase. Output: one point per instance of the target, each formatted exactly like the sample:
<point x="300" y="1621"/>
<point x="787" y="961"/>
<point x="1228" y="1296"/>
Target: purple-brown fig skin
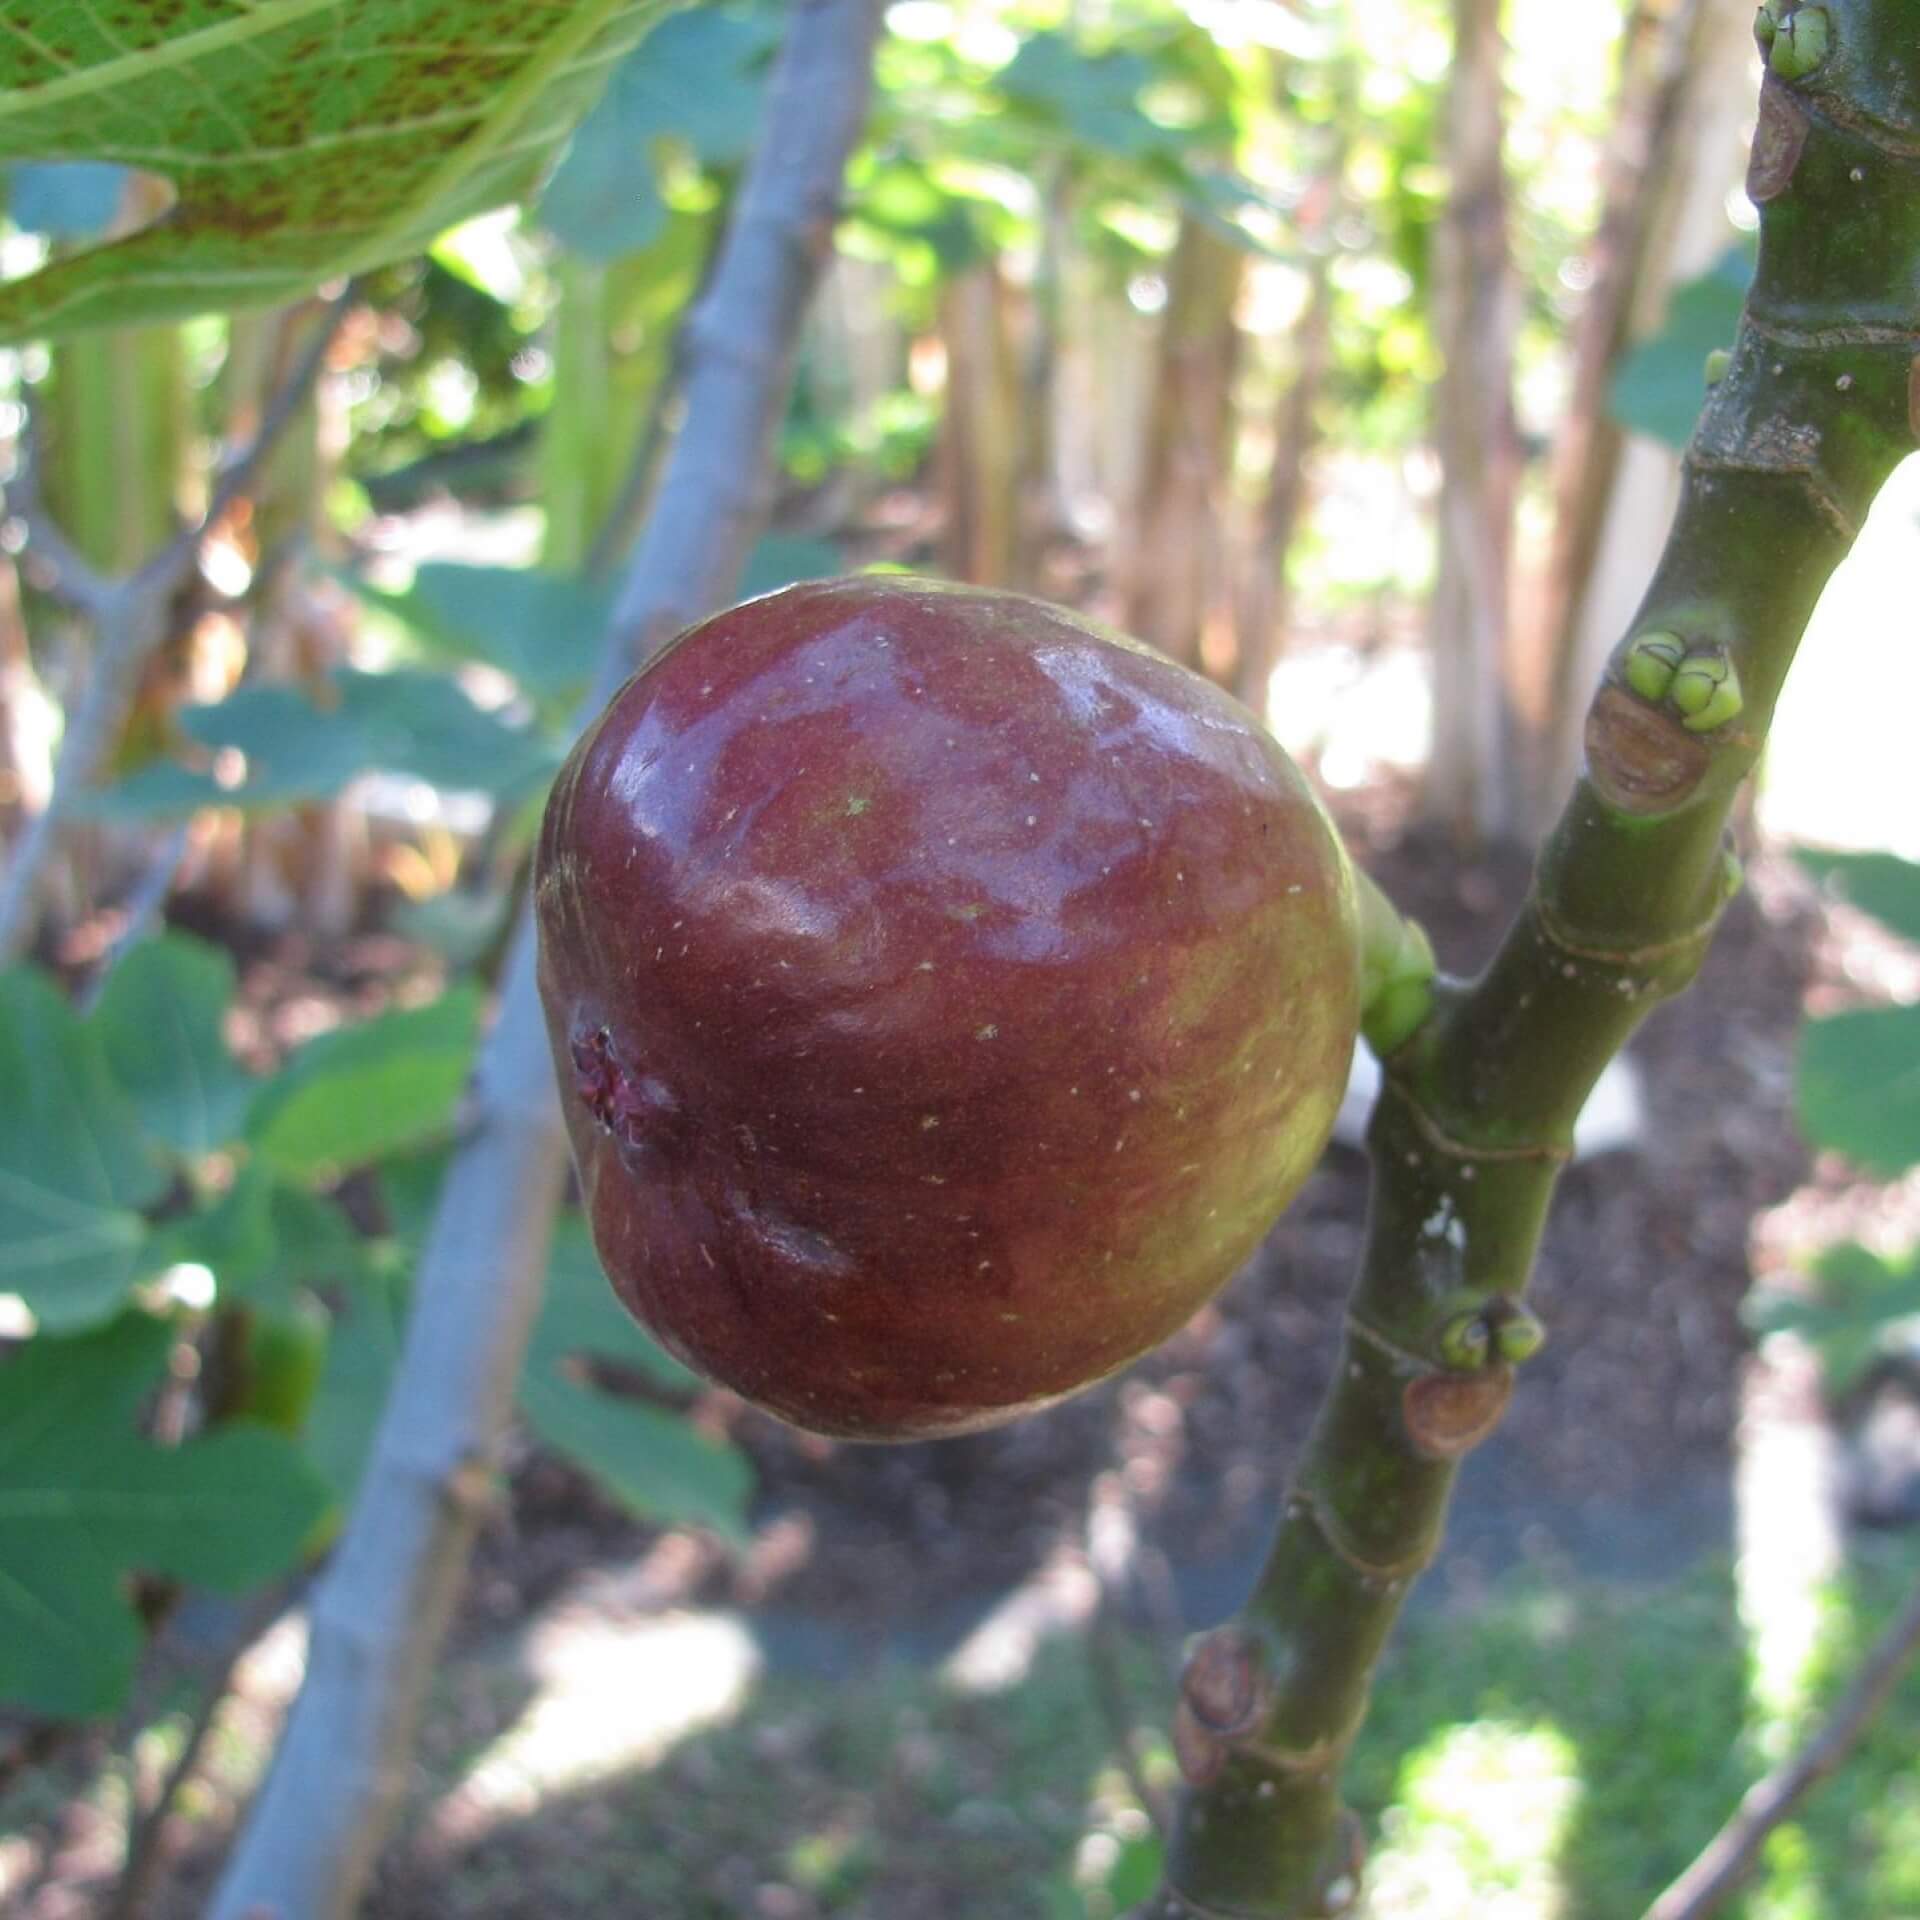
<point x="946" y="994"/>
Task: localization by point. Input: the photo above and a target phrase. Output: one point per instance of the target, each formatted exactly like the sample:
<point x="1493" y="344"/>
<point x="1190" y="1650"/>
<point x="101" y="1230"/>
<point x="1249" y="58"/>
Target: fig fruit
<point x="946" y="994"/>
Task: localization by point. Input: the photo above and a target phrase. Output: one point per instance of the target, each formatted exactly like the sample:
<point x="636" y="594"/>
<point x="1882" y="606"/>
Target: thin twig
<point x="146" y="1848"/>
<point x="1114" y="1698"/>
<point x="237" y="475"/>
<point x="144" y="900"/>
<point x="50" y="561"/>
<point x="1729" y="1856"/>
<point x="624" y="519"/>
<point x="34" y="1746"/>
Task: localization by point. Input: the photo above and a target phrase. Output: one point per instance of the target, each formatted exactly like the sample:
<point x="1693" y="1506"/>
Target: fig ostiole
<point x="946" y="995"/>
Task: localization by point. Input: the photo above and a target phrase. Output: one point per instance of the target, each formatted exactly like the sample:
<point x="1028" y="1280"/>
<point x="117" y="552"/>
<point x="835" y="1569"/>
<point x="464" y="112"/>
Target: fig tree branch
<point x="130" y="618"/>
<point x="1820" y="401"/>
<point x="381" y="1609"/>
<point x="1727" y="1859"/>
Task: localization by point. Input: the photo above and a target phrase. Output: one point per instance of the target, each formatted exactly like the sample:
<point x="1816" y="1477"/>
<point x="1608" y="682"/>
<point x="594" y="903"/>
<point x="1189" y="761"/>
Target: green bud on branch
<point x="1801" y="43"/>
<point x="1652" y="660"/>
<point x="1466" y="1342"/>
<point x="1521" y="1333"/>
<point x="1706" y="689"/>
<point x="1701" y="683"/>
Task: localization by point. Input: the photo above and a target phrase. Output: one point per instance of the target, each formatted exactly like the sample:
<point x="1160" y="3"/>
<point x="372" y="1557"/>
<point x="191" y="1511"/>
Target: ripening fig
<point x="946" y="994"/>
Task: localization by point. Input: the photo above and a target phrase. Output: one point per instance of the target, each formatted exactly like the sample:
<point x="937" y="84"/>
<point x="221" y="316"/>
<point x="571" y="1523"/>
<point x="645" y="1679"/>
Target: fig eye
<point x="638" y="1109"/>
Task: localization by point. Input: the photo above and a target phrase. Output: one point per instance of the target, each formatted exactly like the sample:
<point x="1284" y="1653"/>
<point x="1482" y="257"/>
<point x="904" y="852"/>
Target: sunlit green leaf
<point x="696" y="79"/>
<point x="298" y="750"/>
<point x="75" y="1166"/>
<point x="367" y="1090"/>
<point x="1859" y="1298"/>
<point x="541" y="629"/>
<point x="1881" y="884"/>
<point x="1661" y="386"/>
<point x="160" y="1021"/>
<point x="1093" y="96"/>
<point x="305" y="138"/>
<point x="1859" y="1086"/>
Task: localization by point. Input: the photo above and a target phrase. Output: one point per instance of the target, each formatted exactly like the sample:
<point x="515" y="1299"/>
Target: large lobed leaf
<point x="304" y="138"/>
<point x="696" y="81"/>
<point x="1880" y="884"/>
<point x="655" y="1462"/>
<point x="1858" y="1300"/>
<point x="1660" y="386"/>
<point x="84" y="1503"/>
<point x="161" y="1021"/>
<point x="366" y="1090"/>
<point x="297" y="750"/>
<point x="75" y="1167"/>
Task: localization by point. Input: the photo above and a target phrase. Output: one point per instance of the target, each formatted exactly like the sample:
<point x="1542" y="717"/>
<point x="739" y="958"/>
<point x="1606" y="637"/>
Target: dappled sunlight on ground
<point x="999" y="1652"/>
<point x="1482" y="1811"/>
<point x="1790" y="1547"/>
<point x="611" y="1695"/>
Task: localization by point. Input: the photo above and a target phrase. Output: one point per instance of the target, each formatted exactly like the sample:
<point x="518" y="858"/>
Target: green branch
<point x="1820" y="400"/>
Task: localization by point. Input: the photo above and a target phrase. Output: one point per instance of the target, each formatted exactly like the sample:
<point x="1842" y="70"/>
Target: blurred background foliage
<point x="1197" y="316"/>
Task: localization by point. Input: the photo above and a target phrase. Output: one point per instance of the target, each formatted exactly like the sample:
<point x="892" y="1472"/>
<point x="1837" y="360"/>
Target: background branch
<point x="130" y="618"/>
<point x="1729" y="1857"/>
<point x="382" y="1607"/>
<point x="148" y="1827"/>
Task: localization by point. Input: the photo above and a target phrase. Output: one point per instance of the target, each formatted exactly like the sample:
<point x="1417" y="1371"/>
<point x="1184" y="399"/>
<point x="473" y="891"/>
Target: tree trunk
<point x="980" y="457"/>
<point x="1178" y="593"/>
<point x="1296" y="436"/>
<point x="1470" y="786"/>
